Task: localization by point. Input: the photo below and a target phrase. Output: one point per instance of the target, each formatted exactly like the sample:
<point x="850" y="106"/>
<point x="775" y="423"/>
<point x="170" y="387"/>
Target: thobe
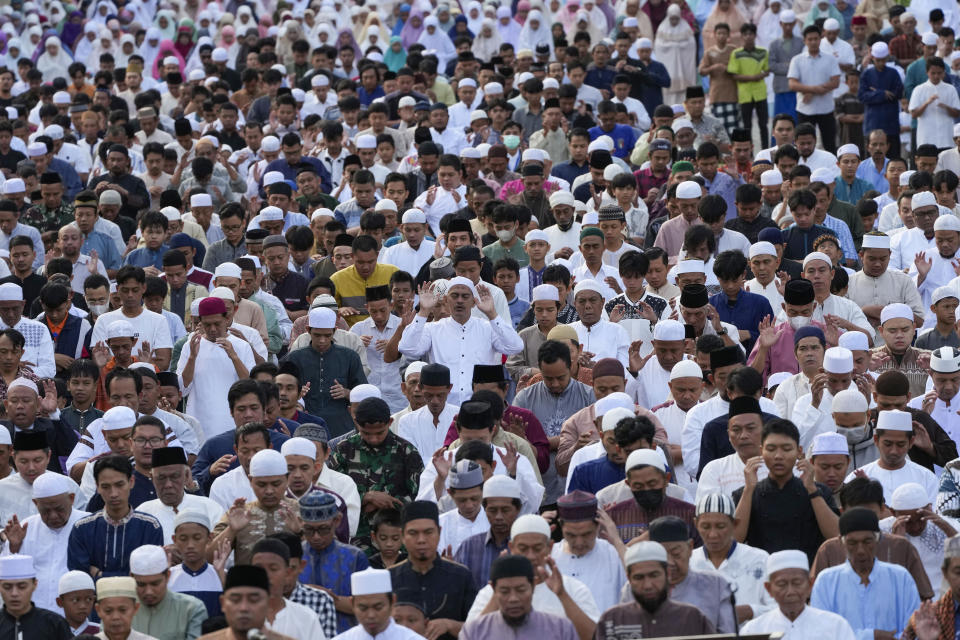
<point x="231" y="485"/>
<point x="746" y="568"/>
<point x="697" y="417"/>
<point x="321" y="370"/>
<point x="893" y="478"/>
<point x="535" y="625"/>
<point x="460" y="347"/>
<point x="711" y="593"/>
<point x="724" y="475"/>
<point x="770" y="291"/>
<point x="38" y="348"/>
<point x="836" y="306"/>
<point x="406" y="258"/>
<point x="166" y="514"/>
<point x="393" y="631"/>
<point x="454" y="528"/>
<point x="944" y="413"/>
<point x="604" y="339"/>
<point x="213" y="373"/>
<point x="545" y="600"/>
<point x="941" y="273"/>
<point x="653" y="384"/>
<point x="600" y="569"/>
<point x="906" y="245"/>
<point x="48" y="548"/>
<point x="929" y="545"/>
<point x="383" y="375"/>
<point x="886" y="603"/>
<point x="297" y="621"/>
<point x="177" y="617"/>
<point x="671" y="619"/>
<point x="419" y="429"/>
<point x="788" y="392"/>
<point x="811" y="623"/>
<point x="891" y="286"/>
<point x="97" y="542"/>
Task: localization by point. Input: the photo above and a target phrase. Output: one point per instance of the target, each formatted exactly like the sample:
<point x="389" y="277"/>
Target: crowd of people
<point x="586" y="319"/>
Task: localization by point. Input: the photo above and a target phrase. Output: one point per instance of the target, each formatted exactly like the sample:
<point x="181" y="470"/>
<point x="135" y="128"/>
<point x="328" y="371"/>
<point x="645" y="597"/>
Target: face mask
<point x="505" y="235"/>
<point x="854" y="435"/>
<point x="511" y="141"/>
<point x="98" y="309"/>
<point x="799" y="322"/>
<point x="649" y="499"/>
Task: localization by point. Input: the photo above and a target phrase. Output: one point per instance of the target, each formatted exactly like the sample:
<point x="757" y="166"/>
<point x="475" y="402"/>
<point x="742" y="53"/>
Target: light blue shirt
<point x="33" y="234"/>
<point x="726" y="187"/>
<point x="885" y="603"/>
<point x="868" y="171"/>
<point x="843" y="234"/>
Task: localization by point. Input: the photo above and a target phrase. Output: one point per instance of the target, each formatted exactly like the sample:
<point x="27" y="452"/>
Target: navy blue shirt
<point x="601" y="78"/>
<point x="746" y="312"/>
<point x="595" y="475"/>
<point x="653" y="79"/>
<point x="570" y="171"/>
<point x="624" y="138"/>
<point x="222" y="444"/>
<point x="881" y="112"/>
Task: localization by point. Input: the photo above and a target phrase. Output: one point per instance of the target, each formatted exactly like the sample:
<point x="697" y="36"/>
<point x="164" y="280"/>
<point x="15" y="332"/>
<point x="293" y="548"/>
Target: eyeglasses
<point x="153" y="442"/>
<point x="309" y="532"/>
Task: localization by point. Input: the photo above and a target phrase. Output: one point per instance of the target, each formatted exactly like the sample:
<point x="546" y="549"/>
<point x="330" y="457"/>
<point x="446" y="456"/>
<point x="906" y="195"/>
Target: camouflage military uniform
<point x="44" y="219"/>
<point x="394" y="467"/>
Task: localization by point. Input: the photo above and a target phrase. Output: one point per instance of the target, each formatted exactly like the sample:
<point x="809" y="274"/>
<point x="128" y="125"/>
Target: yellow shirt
<point x="352" y="289"/>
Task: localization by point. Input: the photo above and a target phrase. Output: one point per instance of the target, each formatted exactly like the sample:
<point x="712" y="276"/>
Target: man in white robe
<point x="936" y="266"/>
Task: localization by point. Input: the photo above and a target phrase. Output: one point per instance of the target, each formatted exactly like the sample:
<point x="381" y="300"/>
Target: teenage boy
<point x="943" y="303"/>
<point x="735" y="305"/>
<point x="536" y="245"/>
<point x="506" y="273"/>
<point x="194" y="575"/>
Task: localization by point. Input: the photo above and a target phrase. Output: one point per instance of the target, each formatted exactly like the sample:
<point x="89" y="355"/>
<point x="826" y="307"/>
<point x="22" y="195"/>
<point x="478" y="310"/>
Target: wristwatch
<point x="722" y="331"/>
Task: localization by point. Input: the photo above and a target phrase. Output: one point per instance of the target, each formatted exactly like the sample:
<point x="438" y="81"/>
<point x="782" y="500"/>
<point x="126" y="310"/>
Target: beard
<point x="515" y="622"/>
<point x="651" y="605"/>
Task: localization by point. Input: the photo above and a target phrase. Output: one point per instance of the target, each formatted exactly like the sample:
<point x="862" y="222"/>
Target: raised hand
<point x="510" y="458"/>
<point x="101" y="354"/>
<point x="48" y="404"/>
<point x="781" y="282"/>
<point x="926" y="625"/>
<point x="616" y="314"/>
<point x="750" y="471"/>
<point x="768" y="333"/>
<point x="15" y="533"/>
<point x="923" y="265"/>
<point x="338" y="391"/>
<point x="442" y="461"/>
<point x="485" y="301"/>
<point x="428" y="299"/>
<point x="237" y="515"/>
<point x="553" y="580"/>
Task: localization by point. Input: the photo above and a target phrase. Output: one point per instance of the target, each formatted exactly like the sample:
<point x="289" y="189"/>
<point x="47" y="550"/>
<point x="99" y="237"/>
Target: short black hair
<point x="553" y="350"/>
<point x="632" y="430"/>
<point x="122" y="373"/>
<point x="118" y="463"/>
<point x="634" y="264"/>
<point x="730" y="265"/>
<point x="241" y="388"/>
<point x="780" y="426"/>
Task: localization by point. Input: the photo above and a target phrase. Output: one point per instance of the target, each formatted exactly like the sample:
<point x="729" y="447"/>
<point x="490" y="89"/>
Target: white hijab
<point x="439" y="42"/>
<point x="485" y="47"/>
<point x="52" y="65"/>
<point x="530" y="37"/>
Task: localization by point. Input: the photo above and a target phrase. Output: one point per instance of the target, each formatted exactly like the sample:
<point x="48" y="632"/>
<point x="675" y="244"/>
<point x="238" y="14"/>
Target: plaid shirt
<point x="906" y="47"/>
<point x="646" y="181"/>
<point x="319" y="601"/>
<point x="842" y="231"/>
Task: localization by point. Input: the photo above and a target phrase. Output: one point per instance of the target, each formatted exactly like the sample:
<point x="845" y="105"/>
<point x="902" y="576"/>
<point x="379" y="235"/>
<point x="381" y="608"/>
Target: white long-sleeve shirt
<point x="604" y="339"/>
<point x="698" y="416"/>
<point x="418" y="429"/>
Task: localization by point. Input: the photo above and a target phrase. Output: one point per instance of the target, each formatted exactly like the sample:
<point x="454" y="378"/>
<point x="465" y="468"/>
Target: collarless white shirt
<point x="166" y="514"/>
<point x="770" y="291"/>
<point x="724" y="475"/>
<point x="893" y="478"/>
<point x="296" y="621"/>
<point x="384" y="375"/>
<point x="811" y="623"/>
<point x="600" y="570"/>
<point x="418" y="429"/>
<point x="746" y="569"/>
<point x="604" y="339"/>
<point x="344" y="486"/>
<point x="406" y="258"/>
<point x="230" y="486"/>
<point x="454" y="528"/>
<point x="653" y="386"/>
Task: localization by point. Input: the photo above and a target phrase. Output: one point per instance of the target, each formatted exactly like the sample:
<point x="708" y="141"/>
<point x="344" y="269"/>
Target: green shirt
<point x="177" y="616"/>
<point x="748" y="63"/>
<point x="496" y="251"/>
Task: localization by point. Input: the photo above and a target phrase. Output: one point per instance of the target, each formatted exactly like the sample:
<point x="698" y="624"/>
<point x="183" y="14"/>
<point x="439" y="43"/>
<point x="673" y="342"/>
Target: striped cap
<point x="715" y="503"/>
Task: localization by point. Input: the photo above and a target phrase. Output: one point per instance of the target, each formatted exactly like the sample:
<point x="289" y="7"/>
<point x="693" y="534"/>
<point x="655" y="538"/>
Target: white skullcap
<point x="484" y="149"/>
<point x="941" y="293"/>
<point x="645" y="551"/>
<point x="923" y="199"/>
<point x="55" y="131"/>
<point x="219" y="55"/>
<point x="826" y="175"/>
<point x="299" y="447"/>
<point x="645" y="457"/>
<point x="630" y="23"/>
<point x="588" y="284"/>
<point x="493" y="87"/>
<point x="299" y="95"/>
<point x="830" y="443"/>
<point x="10" y="292"/>
<point x="681" y="123"/>
<point x="320" y="80"/>
<point x="530" y="523"/>
<point x="148" y="560"/>
<point x="943" y="360"/>
<point x="550" y="83"/>
<point x="75" y="581"/>
<point x="195" y="307"/>
<point x="120" y="329"/>
<point x="561" y="198"/>
<point x="502" y="486"/>
<point x="894" y="421"/>
<point x="880" y="50"/>
<point x="762" y="249"/>
<point x="778" y="378"/>
<point x="831" y="24"/>
<point x="470" y="153"/>
<point x="599" y="145"/>
<point x="689" y="190"/>
<point x="201" y="200"/>
<point x="196" y="75"/>
<point x="691" y="266"/>
<point x="51" y="484"/>
<point x="613" y="417"/>
<point x="615" y="400"/>
<point x="905" y="181"/>
<point x="19" y="567"/>
<point x="271" y="214"/>
<point x="322" y="318"/>
<point x="787" y="559"/>
<point x="413" y="368"/>
<point x="23" y="382"/>
<point x="322" y="211"/>
<point x="223" y="293"/>
<point x="611" y="171"/>
<point x="385" y="204"/>
<point x="367" y="141"/>
<point x="6" y="439"/>
<point x="272" y="177"/>
<point x="876" y="241"/>
<point x="370" y="582"/>
<point x="847" y="148"/>
<point x="15" y="185"/>
<point x="771" y="178"/>
<point x="192" y="517"/>
<point x="686" y="369"/>
<point x="896" y="310"/>
<point x="462" y="282"/>
<point x="414" y="216"/>
<point x="172" y="214"/>
<point x="363" y="391"/>
<point x="838" y="360"/>
<point x="669" y="331"/>
<point x="929" y="39"/>
<point x="61" y="97"/>
<point x="591" y="217"/>
<point x="544" y="292"/>
<point x="644" y="43"/>
<point x="908" y="496"/>
<point x="268" y="462"/>
<point x="816" y="255"/>
<point x="849" y="401"/>
<point x="535" y="235"/>
<point x="946" y="222"/>
<point x="854" y="341"/>
<point x="270" y="144"/>
<point x="228" y="270"/>
<point x="171" y="60"/>
<point x="467" y="82"/>
<point x="118" y="418"/>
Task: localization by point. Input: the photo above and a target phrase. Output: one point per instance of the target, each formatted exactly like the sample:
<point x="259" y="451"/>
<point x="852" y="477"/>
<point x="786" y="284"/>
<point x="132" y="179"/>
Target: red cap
<point x="212" y="306"/>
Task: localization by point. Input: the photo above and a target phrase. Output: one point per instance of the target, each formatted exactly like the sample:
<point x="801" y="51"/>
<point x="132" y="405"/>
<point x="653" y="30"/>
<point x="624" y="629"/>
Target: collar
<point x="117" y="523"/>
<point x="202" y="569"/>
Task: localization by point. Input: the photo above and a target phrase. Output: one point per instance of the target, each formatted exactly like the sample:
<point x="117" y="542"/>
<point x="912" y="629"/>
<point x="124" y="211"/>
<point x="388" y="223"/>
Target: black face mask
<point x="649" y="499"/>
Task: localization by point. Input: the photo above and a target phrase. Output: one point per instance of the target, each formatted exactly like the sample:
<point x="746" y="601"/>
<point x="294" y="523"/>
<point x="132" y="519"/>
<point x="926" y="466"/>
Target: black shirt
<point x="36" y="623"/>
<point x="446" y="590"/>
<point x="10" y="159"/>
<point x="784" y="518"/>
<point x="292" y="291"/>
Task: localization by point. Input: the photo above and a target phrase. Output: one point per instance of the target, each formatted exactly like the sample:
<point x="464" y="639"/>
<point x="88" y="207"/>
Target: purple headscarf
<point x="410" y="34"/>
<point x="72" y="31"/>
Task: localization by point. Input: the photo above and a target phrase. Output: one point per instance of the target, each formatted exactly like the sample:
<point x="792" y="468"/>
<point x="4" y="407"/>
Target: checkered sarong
<point x="728" y="113"/>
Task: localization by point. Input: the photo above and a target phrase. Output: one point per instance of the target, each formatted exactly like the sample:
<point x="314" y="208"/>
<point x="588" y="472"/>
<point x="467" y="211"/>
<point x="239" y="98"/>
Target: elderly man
<point x="163" y="614"/>
<point x="44" y="535"/>
<point x="31" y="456"/>
<point x="877" y="285"/>
<point x="653" y="613"/>
<point x="788" y="583"/>
<point x="599" y="338"/>
<point x="171" y="475"/>
<point x="892" y="593"/>
<point x="38" y="350"/>
<point x="23" y="406"/>
<point x="20" y="618"/>
<point x="456" y="341"/>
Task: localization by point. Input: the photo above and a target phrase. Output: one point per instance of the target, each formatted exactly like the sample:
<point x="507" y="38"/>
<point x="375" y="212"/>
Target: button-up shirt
<point x="425" y="432"/>
<point x="726" y="187"/>
<point x="877" y="178"/>
<point x="384" y="375"/>
<point x="811" y="623"/>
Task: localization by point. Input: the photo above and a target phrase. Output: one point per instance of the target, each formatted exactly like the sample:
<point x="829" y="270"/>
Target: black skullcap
<point x="246" y="575"/>
<point x="50" y="177"/>
<point x="725" y="356"/>
<point x="434" y="375"/>
<point x="694" y="296"/>
<point x="485" y="373"/>
<point x="743" y="404"/>
<point x="475" y="414"/>
<point x="467" y="253"/>
<point x="694" y="92"/>
<point x="281" y="188"/>
<point x="271" y="545"/>
<point x="256" y="235"/>
<point x="551" y="103"/>
<point x="512" y="566"/>
<point x="798" y="292"/>
<point x="459" y="225"/>
<point x="600" y="158"/>
<point x="342" y="240"/>
<point x="740" y="135"/>
<point x="535" y="169"/>
<point x="377" y="293"/>
<point x="371" y="411"/>
<point x="858" y="519"/>
<point x="30" y="441"/>
<point x="663" y="111"/>
<point x="668" y="529"/>
<point x="421" y="510"/>
<point x="167" y="456"/>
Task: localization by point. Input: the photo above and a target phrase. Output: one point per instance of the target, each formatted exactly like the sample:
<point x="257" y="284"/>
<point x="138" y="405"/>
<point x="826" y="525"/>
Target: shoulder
<point x="146" y="519"/>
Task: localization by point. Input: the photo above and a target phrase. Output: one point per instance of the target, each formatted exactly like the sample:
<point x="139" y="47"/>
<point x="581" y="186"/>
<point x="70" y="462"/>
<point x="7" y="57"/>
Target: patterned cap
<point x="610" y="212"/>
<point x="318" y="506"/>
<point x="577" y="506"/>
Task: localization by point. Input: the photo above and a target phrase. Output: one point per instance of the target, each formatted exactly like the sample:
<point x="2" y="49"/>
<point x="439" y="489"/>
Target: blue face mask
<point x="511" y="141"/>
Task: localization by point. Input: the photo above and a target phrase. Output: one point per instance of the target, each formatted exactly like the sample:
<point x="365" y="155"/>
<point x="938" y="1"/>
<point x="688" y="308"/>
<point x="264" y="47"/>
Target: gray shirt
<point x="781" y="53"/>
<point x="222" y="251"/>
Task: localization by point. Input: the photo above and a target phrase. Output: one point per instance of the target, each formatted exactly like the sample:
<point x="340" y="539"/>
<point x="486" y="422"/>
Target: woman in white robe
<point x="433" y="39"/>
<point x="507" y="27"/>
<point x="676" y="49"/>
<point x="487" y="43"/>
<point x="86" y="42"/>
<point x="535" y="31"/>
<point x="54" y="61"/>
<point x="474" y="16"/>
<point x="127" y="48"/>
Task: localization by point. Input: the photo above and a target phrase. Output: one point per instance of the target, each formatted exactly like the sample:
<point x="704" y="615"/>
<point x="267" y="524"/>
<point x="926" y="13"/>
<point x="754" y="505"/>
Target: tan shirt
<point x="262" y="524"/>
<point x="723" y="88"/>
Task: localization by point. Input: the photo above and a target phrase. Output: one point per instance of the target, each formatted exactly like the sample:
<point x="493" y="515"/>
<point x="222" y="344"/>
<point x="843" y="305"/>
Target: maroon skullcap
<point x="577" y="506"/>
<point x="608" y="367"/>
<point x="212" y="306"/>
